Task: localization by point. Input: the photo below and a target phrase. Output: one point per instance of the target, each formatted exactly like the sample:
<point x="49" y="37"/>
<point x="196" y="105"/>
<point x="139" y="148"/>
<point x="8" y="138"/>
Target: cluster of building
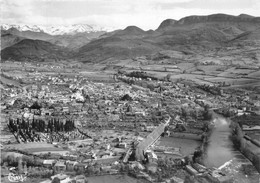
<point x="116" y="124"/>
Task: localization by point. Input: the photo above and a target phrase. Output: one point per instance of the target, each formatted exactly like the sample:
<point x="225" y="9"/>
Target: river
<point x="221" y="153"/>
<point x="220" y="148"/>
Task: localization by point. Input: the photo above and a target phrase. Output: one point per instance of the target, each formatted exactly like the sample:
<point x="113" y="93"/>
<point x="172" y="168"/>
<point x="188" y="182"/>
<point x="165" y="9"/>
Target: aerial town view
<point x="130" y="98"/>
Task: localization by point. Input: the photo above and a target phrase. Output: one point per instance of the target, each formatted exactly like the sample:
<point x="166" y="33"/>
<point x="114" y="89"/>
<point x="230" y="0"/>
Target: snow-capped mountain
<point x="58" y="30"/>
<point x="33" y="28"/>
<point x="72" y="29"/>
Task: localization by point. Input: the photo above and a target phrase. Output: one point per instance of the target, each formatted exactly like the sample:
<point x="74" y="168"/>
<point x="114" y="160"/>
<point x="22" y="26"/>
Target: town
<point x="68" y="127"/>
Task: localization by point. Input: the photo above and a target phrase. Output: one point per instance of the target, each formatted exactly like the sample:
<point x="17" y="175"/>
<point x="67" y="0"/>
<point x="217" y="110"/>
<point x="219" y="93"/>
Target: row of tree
<point x="214" y="90"/>
<point x="39" y="125"/>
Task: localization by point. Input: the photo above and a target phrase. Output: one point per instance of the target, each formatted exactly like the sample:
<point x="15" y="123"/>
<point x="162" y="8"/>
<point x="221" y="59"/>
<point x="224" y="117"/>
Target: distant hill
<point x="130" y="31"/>
<point x="196" y="34"/>
<point x="167" y="23"/>
<point x="29" y="34"/>
<point x="8" y="39"/>
<point x="248" y="36"/>
<point x="35" y="50"/>
<point x="12" y="36"/>
<point x="114" y="47"/>
<point x="75" y="41"/>
<point x="219" y="18"/>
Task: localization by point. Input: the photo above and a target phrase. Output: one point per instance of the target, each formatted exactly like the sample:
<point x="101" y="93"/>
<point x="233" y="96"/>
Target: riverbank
<point x="221" y="154"/>
<point x="247" y="146"/>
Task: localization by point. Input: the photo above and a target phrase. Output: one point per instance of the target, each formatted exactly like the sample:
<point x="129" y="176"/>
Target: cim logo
<point x="16" y="178"/>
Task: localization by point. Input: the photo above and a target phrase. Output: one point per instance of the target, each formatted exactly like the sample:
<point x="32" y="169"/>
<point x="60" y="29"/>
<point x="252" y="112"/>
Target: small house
<point x="70" y="165"/>
<point x="65" y="109"/>
<point x="80" y="167"/>
<point x="59" y="167"/>
<point x="49" y="163"/>
<point x="106" y="168"/>
<point x="122" y="145"/>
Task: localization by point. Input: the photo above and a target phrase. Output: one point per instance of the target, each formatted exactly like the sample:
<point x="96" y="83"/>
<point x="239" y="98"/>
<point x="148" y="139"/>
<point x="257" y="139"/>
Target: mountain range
<point x="58" y="30"/>
<point x="72" y="37"/>
<point x="197" y="34"/>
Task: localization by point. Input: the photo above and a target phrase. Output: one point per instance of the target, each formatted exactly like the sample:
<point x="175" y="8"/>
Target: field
<point x="34" y="147"/>
<point x="5" y="80"/>
<point x="188" y="146"/>
<point x="194" y="70"/>
<point x="114" y="179"/>
<point x="253" y="134"/>
<point x="14" y="154"/>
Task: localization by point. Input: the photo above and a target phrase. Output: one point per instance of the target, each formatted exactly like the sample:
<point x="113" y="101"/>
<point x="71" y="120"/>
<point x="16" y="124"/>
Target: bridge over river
<point x="150" y="139"/>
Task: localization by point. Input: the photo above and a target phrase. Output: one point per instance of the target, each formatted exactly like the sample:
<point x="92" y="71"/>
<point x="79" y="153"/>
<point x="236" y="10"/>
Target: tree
<point x="194" y="114"/>
<point x="189" y="179"/>
<point x="168" y="77"/>
<point x="4" y="164"/>
<point x="10" y="160"/>
<point x="23" y="125"/>
<point x="20" y="165"/>
<point x="90" y="170"/>
<point x="151" y="87"/>
<point x="159" y="177"/>
<point x="79" y="171"/>
<point x="25" y="168"/>
<point x="205" y="127"/>
<point x="207" y="114"/>
<point x="184" y="113"/>
<point x="35" y="105"/>
<point x="55" y="180"/>
<point x="197" y="154"/>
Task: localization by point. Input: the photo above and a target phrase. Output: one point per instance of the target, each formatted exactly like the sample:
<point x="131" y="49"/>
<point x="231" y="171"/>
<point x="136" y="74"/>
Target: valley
<point x="80" y="103"/>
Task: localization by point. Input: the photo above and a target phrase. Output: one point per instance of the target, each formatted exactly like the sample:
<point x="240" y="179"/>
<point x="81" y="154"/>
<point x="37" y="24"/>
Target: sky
<point x="118" y="14"/>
